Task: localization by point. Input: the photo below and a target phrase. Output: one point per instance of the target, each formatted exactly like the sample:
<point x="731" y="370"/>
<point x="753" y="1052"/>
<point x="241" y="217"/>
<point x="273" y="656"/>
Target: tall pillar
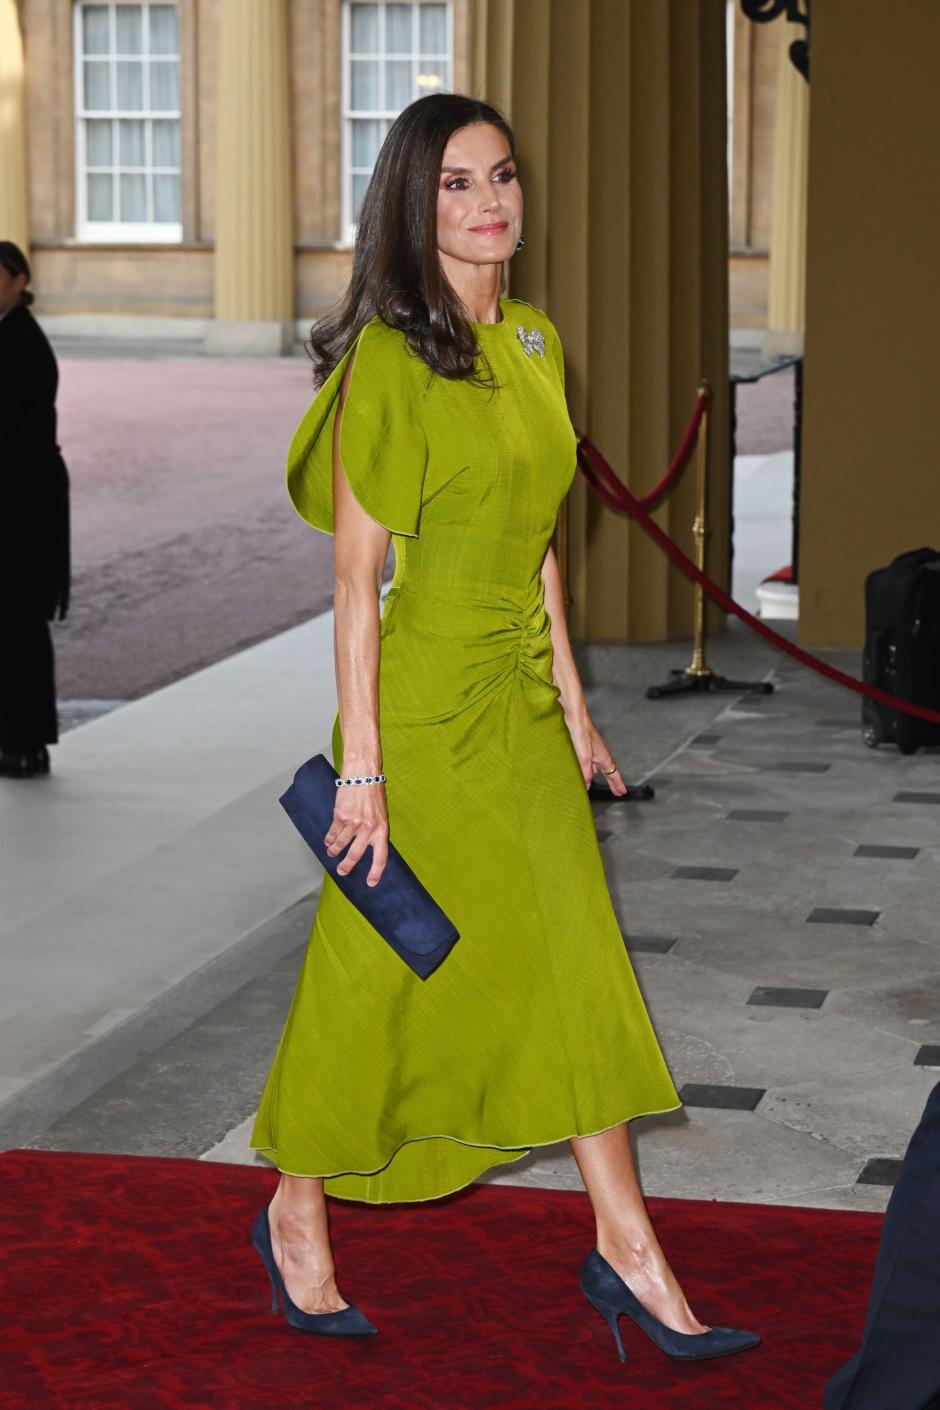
<point x="619" y="108"/>
<point x="14" y="217"/>
<point x="870" y="487"/>
<point x="787" y="269"/>
<point x="254" y="295"/>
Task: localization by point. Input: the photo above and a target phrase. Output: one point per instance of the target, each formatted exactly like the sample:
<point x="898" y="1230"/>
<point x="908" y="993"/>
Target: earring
<point x="520" y="242"/>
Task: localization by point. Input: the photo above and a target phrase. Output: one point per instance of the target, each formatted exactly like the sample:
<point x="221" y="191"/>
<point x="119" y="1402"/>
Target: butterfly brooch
<point x="532" y="340"/>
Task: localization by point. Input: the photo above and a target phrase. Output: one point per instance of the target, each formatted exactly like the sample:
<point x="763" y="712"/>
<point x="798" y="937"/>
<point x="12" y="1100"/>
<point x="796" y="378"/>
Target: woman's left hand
<point x="593" y="754"/>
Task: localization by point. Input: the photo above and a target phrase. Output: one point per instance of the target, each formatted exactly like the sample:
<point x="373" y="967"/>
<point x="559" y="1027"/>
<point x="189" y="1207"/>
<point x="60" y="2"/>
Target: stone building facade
<point x="107" y="270"/>
<point x="297" y="49"/>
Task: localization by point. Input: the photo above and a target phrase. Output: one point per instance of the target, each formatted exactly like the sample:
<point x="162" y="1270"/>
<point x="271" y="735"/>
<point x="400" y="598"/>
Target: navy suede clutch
<point x="399" y="907"/>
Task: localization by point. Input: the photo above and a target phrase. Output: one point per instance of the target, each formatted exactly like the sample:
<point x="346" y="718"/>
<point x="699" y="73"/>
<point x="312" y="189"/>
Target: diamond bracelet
<point x="368" y="778"/>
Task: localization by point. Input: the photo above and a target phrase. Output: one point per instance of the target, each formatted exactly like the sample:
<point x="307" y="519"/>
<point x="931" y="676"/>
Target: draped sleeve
<point x="382" y="442"/>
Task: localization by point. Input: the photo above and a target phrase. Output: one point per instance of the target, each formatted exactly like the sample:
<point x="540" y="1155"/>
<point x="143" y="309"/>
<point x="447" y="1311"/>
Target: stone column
<point x="786" y="293"/>
<point x="871" y="487"/>
<point x="619" y="107"/>
<point x="254" y="296"/>
<point x="14" y="216"/>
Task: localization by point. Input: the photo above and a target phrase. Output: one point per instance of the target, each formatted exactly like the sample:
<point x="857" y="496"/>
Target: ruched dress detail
<point x="533" y="1029"/>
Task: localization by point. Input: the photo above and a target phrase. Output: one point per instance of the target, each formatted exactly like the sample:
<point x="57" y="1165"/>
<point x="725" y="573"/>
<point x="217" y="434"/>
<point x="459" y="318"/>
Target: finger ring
<point x="609" y="771"/>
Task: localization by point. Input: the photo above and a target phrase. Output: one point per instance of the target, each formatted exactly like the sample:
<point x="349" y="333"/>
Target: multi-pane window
<point x="127" y="103"/>
<point x="392" y="54"/>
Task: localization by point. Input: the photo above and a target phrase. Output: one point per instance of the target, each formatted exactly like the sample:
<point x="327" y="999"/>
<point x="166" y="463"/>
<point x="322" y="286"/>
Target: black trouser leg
<point x="27" y="684"/>
<point x="897" y="1366"/>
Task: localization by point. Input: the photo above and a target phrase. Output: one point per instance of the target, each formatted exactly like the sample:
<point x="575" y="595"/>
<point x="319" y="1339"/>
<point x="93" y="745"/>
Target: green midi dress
<point x="533" y="1029"/>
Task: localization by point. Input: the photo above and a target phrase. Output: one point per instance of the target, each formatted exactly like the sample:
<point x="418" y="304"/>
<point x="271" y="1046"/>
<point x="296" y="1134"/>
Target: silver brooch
<point x="532" y="340"/>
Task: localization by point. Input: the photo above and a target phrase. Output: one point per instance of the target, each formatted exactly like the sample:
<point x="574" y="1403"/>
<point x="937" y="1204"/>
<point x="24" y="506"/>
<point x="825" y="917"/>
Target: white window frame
<point x="119" y="232"/>
<point x="381" y="114"/>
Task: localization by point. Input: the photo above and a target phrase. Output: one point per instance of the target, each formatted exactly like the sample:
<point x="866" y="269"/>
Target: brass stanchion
<point x="700" y="533"/>
<point x="698" y="675"/>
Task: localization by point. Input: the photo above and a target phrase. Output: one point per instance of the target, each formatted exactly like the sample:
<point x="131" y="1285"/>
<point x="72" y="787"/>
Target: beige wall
<point x="173" y="280"/>
<point x="167" y="280"/>
<point x="170" y="281"/>
<point x="315" y="93"/>
<point x="871" y="470"/>
<point x="14" y="214"/>
<point x="176" y="280"/>
<point x="755" y="86"/>
<point x="47" y="35"/>
<point x="200" y="35"/>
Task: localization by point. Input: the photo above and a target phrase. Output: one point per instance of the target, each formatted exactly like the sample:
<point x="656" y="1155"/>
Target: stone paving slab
<point x="783" y="955"/>
<point x="864" y="1114"/>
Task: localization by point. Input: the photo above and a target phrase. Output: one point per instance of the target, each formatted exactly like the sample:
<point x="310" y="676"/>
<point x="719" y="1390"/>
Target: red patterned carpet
<point x="131" y="1284"/>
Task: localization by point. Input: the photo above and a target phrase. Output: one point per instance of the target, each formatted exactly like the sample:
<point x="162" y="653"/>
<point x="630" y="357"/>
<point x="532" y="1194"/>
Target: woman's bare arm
<point x="360" y="548"/>
<point x="564" y="670"/>
<point x="589" y="744"/>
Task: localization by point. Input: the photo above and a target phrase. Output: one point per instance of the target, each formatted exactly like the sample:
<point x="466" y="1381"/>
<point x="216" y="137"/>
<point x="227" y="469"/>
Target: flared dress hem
<point x="270" y="1154"/>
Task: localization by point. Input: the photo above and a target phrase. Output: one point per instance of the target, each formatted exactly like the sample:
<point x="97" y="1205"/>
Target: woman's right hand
<point x="360" y="817"/>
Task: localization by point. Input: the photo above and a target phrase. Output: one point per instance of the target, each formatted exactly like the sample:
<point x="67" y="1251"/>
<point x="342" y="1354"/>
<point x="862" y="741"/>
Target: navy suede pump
<point x="605" y="1289"/>
<point x="348" y="1322"/>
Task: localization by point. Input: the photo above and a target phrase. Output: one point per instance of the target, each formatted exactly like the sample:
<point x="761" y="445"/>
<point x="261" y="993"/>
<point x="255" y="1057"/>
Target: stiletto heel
<point x="348" y="1322"/>
<point x="610" y="1315"/>
<point x="605" y="1290"/>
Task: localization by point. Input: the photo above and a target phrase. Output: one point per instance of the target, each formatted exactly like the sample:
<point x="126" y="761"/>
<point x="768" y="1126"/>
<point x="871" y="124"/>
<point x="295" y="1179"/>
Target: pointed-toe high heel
<point x="348" y="1322"/>
<point x="605" y="1289"/>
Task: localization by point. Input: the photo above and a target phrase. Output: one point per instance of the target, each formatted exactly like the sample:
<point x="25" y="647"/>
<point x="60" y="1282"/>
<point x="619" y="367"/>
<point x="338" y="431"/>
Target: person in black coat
<point x="897" y="1365"/>
<point x="34" y="527"/>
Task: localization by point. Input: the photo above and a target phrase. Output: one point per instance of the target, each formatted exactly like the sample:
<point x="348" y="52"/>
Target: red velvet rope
<point x="619" y="498"/>
<point x="652" y="499"/>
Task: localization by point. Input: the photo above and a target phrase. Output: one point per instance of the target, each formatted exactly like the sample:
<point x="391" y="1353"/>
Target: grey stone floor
<point x="826" y="1020"/>
<point x="793" y="979"/>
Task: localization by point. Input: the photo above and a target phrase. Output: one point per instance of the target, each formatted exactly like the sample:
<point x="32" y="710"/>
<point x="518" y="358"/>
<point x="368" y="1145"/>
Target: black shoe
<point x="605" y="1289"/>
<point x="348" y="1322"/>
<point x="24" y="763"/>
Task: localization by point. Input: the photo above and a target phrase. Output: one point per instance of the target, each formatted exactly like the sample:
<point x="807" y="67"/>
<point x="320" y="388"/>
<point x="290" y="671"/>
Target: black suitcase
<point x="902" y="648"/>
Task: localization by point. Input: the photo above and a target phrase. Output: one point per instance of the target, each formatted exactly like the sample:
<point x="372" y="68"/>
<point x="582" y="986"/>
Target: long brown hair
<point x="15" y="262"/>
<point x="397" y="272"/>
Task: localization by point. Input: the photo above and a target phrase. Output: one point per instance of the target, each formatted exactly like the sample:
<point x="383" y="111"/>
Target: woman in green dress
<point x="440" y="424"/>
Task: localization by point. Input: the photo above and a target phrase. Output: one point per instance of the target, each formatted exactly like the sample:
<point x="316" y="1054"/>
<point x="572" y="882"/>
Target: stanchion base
<point x="685" y="682"/>
<point x="636" y="793"/>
